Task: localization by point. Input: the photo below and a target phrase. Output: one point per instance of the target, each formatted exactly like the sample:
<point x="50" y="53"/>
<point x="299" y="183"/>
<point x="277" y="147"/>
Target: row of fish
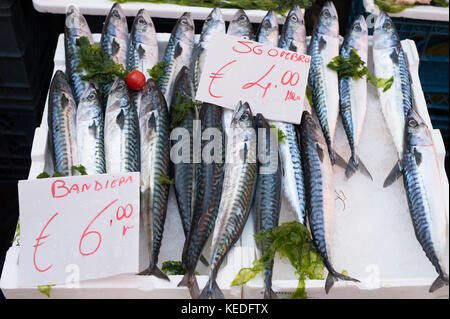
<point x="129" y="131"/>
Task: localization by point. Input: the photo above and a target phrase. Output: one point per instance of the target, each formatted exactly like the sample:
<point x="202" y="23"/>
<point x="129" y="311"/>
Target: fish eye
<point x="266" y="24"/>
<point x="184" y="21"/>
<point x="357" y="28"/>
<point x="294" y="18"/>
<point x="115" y="14"/>
<point x="242" y="18"/>
<point x="413" y="123"/>
<point x="326" y="14"/>
<point x="91" y="97"/>
<point x="141" y="21"/>
<point x="388" y="24"/>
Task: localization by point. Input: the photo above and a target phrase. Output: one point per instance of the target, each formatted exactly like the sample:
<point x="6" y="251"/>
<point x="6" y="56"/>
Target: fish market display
<point x="267" y="198"/>
<point x="178" y="54"/>
<point x="155" y="165"/>
<point x="323" y="48"/>
<point x="427" y="208"/>
<point x="62" y="124"/>
<point x="240" y="175"/>
<point x="293" y="37"/>
<point x="184" y="167"/>
<point x="75" y="27"/>
<point x="121" y="131"/>
<point x="390" y="60"/>
<point x="90" y="125"/>
<point x="353" y="95"/>
<point x="240" y="27"/>
<point x="319" y="193"/>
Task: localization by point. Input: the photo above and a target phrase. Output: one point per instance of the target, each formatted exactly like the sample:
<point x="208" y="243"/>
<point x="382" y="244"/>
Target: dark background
<point x="27" y="45"/>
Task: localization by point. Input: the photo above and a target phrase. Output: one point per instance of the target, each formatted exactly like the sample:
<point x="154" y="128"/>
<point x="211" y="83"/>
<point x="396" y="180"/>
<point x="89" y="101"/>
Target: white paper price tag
<point x="271" y="80"/>
<point x="90" y="223"/>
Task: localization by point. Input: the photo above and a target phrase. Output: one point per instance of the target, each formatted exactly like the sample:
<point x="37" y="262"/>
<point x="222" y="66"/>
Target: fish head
<point x="143" y="23"/>
<point x="358" y="34"/>
<point x="261" y="122"/>
<point x="116" y="22"/>
<point x="118" y="96"/>
<point x="214" y="23"/>
<point x="385" y="34"/>
<point x="242" y="115"/>
<point x="417" y="131"/>
<point x="240" y="25"/>
<point x="328" y="22"/>
<point x="268" y="29"/>
<point x="313" y="129"/>
<point x="152" y="98"/>
<point x="90" y="105"/>
<point x="294" y="28"/>
<point x="184" y="26"/>
<point x="74" y="18"/>
<point x="182" y="85"/>
<point x="61" y="84"/>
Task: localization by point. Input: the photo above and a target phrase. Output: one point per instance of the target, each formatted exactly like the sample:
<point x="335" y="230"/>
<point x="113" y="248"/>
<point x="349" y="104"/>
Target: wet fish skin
<point x="178" y="53"/>
<point x="240" y="174"/>
<point x="324" y="46"/>
<point x="268" y="30"/>
<point x="62" y="124"/>
<point x="353" y="95"/>
<point x="319" y="192"/>
<point x="154" y="129"/>
<point x="390" y="60"/>
<point x="90" y="121"/>
<point x="75" y="27"/>
<point x="293" y="37"/>
<point x="427" y="209"/>
<point x="267" y="198"/>
<point x="121" y="131"/>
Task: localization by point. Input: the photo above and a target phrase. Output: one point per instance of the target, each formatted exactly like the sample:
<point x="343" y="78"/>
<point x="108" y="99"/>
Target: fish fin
<point x="178" y="50"/>
<point x="339" y="160"/>
<point x="211" y="291"/>
<point x="440" y="281"/>
<point x="115" y="47"/>
<point x="292" y="47"/>
<point x="334" y="276"/>
<point x="120" y="119"/>
<point x="418" y="156"/>
<point x="363" y="169"/>
<point x="322" y="44"/>
<point x="204" y="261"/>
<point x="319" y="152"/>
<point x="354" y="166"/>
<point x="151" y="123"/>
<point x="270" y="294"/>
<point x="155" y="271"/>
<point x="141" y="52"/>
<point x="395" y="173"/>
<point x="189" y="280"/>
<point x="394" y="56"/>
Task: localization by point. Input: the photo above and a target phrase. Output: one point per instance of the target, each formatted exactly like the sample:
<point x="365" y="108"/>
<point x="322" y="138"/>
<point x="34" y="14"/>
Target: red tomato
<point x="136" y="80"/>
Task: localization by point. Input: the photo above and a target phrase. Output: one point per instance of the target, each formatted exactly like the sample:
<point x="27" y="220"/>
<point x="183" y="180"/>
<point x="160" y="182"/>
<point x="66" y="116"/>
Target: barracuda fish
<point x="428" y="209"/>
<point x="75" y="27"/>
<point x="293" y="37"/>
<point x="114" y="40"/>
<point x="62" y="110"/>
<point x="267" y="199"/>
<point x="142" y="52"/>
<point x="241" y="27"/>
<point x="185" y="169"/>
<point x="323" y="48"/>
<point x="209" y="190"/>
<point x="214" y="23"/>
<point x="390" y="60"/>
<point x="121" y="131"/>
<point x="90" y="126"/>
<point x="353" y="96"/>
<point x="319" y="193"/>
<point x="178" y="53"/>
<point x="155" y="164"/>
<point x="240" y="173"/>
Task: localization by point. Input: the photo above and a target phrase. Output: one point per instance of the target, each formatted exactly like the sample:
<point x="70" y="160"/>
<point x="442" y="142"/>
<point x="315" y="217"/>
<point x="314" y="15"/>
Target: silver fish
<point x="390" y="61"/>
<point x="293" y="37"/>
<point x="155" y="165"/>
<point x="267" y="199"/>
<point x="324" y="46"/>
<point x="90" y="126"/>
<point x="121" y="131"/>
<point x="62" y="124"/>
<point x="268" y="30"/>
<point x="178" y="54"/>
<point x="353" y="95"/>
<point x="75" y="27"/>
<point x="427" y="208"/>
<point x="319" y="193"/>
<point x="240" y="175"/>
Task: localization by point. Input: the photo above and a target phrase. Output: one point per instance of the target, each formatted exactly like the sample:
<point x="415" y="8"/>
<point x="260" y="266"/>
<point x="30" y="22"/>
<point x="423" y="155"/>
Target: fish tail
<point x="211" y="291"/>
<point x="154" y="271"/>
<point x="189" y="280"/>
<point x="356" y="165"/>
<point x="334" y="276"/>
<point x="394" y="174"/>
<point x="337" y="159"/>
<point x="440" y="281"/>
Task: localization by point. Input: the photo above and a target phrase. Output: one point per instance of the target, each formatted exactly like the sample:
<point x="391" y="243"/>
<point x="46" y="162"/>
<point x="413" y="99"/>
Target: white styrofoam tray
<point x="159" y="10"/>
<point x="127" y="285"/>
<point x="420" y="12"/>
<point x="373" y="236"/>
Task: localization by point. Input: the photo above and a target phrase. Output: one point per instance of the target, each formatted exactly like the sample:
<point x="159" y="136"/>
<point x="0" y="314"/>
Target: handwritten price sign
<point x="271" y="80"/>
<point x="91" y="222"/>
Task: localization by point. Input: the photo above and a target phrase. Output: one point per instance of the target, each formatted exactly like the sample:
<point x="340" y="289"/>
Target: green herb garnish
<point x="98" y="65"/>
<point x="390" y="6"/>
<point x="355" y="68"/>
<point x="280" y="134"/>
<point x="45" y="289"/>
<point x="164" y="180"/>
<point x="440" y="3"/>
<point x="309" y="94"/>
<point x="58" y="174"/>
<point x="17" y="233"/>
<point x="181" y="108"/>
<point x="80" y="169"/>
<point x="290" y="240"/>
<point x="158" y="70"/>
<point x="47" y="175"/>
<point x="173" y="268"/>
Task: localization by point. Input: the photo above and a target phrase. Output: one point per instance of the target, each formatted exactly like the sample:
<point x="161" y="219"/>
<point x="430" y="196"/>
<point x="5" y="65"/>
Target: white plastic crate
<point x="373" y="239"/>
